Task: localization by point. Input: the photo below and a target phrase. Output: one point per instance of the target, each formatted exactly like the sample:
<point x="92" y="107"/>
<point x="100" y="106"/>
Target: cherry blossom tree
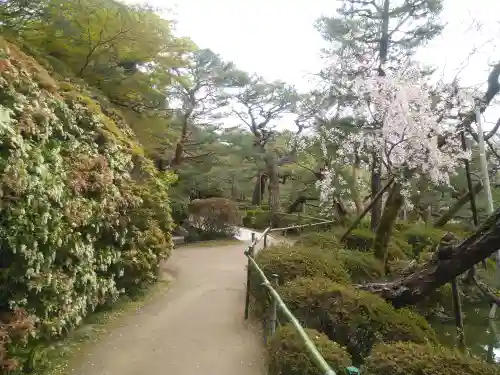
<point x="405" y="118"/>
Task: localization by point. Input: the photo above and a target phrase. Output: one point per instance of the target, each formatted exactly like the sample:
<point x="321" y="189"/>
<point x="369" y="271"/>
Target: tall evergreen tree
<point x="367" y="35"/>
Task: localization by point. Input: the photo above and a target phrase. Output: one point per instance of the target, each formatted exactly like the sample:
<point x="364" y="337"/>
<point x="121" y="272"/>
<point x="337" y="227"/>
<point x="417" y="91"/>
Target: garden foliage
<point x="85" y="217"/>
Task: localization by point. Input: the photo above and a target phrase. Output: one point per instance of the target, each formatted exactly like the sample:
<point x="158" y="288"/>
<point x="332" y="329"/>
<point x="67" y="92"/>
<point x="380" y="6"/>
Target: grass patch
<point x="211" y="243"/>
<point x="57" y="358"/>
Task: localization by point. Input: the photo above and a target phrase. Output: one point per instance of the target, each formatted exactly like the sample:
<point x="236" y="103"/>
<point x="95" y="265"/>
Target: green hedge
<point x="352" y="318"/>
<point x="256" y="219"/>
<point x="420" y="237"/>
<point x="361" y="239"/>
<point x="287" y="354"/>
<point x="362" y="267"/>
<point x="290" y="262"/>
<point x="322" y="240"/>
<point x="406" y="358"/>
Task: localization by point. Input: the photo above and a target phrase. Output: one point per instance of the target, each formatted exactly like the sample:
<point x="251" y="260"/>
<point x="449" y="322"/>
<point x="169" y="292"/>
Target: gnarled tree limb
<point x="410" y="289"/>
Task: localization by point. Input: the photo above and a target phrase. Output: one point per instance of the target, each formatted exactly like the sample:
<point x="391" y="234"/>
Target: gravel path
<point x="196" y="327"/>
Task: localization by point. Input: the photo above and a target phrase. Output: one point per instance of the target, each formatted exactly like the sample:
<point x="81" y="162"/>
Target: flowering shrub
<point x="76" y="230"/>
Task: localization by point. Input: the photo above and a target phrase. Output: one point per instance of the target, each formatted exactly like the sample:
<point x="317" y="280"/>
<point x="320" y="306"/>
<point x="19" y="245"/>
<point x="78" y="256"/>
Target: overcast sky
<point x="276" y="38"/>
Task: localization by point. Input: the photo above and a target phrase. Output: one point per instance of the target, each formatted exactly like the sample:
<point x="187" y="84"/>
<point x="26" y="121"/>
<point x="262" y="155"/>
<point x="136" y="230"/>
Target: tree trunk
<point x="464" y="199"/>
<point x="375" y="186"/>
<point x="179" y="147"/>
<point x="376" y="180"/>
<point x="273" y="186"/>
<point x="384" y="231"/>
<point x="259" y="189"/>
<point x="442" y="268"/>
<point x="341" y="209"/>
<point x="355" y="194"/>
<point x="367" y="208"/>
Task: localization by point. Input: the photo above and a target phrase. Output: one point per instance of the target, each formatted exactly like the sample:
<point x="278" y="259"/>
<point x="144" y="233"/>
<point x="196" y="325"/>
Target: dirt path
<point x="195" y="328"/>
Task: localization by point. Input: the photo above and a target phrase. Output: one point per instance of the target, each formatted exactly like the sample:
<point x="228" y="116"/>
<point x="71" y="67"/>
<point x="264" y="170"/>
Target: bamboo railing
<point x="278" y="304"/>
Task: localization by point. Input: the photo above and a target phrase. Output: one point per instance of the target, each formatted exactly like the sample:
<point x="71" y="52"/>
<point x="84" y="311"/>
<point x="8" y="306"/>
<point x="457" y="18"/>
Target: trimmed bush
<point x="420" y="237"/>
<point x="247" y="222"/>
<point x="290" y="262"/>
<point x="256" y="219"/>
<point x="215" y="215"/>
<point x="352" y="318"/>
<point x="406" y="358"/>
<point x="362" y="267"/>
<point x="180" y="210"/>
<point x="322" y="240"/>
<point x="360" y="239"/>
<point x="287" y="354"/>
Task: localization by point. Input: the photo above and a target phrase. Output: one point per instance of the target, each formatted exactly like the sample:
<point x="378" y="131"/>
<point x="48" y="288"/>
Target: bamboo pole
<point x="251" y="249"/>
<point x="487" y="187"/>
<point x="301" y="226"/>
<point x="457" y="309"/>
<point x="301" y="216"/>
<point x="472" y="197"/>
<point x="274" y="308"/>
<point x="315" y="355"/>
<point x="441" y="221"/>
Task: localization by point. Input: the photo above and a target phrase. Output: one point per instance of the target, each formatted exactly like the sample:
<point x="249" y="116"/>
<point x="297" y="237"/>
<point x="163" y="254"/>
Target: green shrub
<point x="350" y="317"/>
<point x="290" y="262"/>
<point x="247" y="222"/>
<point x="360" y="239"/>
<point x="287" y="354"/>
<point x="261" y="219"/>
<point x="180" y="210"/>
<point x="460" y="230"/>
<point x="362" y="267"/>
<point x="406" y="358"/>
<point x="398" y="250"/>
<point x="257" y="219"/>
<point x="420" y="237"/>
<point x="402" y="225"/>
<point x="197" y="235"/>
<point x="322" y="240"/>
